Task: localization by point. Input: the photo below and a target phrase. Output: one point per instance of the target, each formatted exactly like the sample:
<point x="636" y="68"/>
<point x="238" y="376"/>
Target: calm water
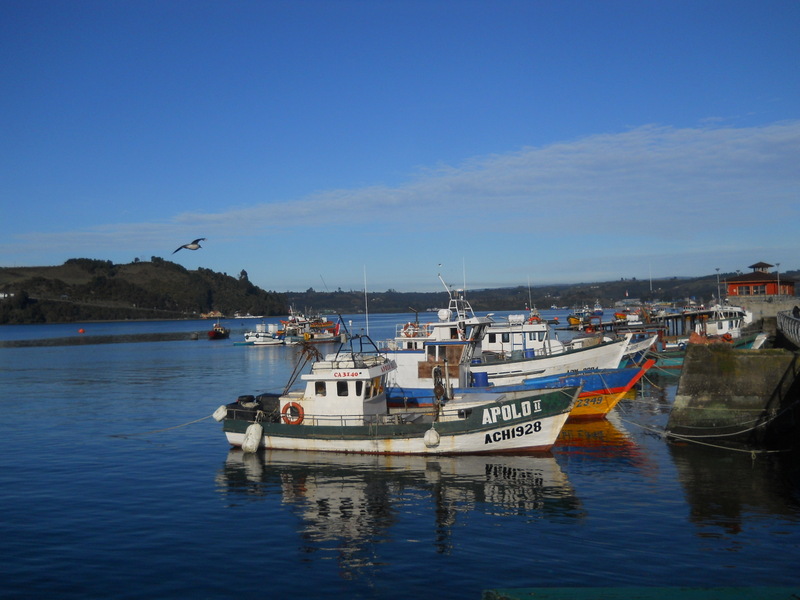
<point x="116" y="483"/>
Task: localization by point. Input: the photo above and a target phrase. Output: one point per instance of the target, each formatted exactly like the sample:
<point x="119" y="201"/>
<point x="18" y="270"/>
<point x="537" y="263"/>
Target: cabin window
<point x="341" y="388"/>
<point x="454" y="333"/>
<point x="360" y="388"/>
<point x="432" y="353"/>
<point x="506" y="338"/>
<point x="492" y="338"/>
<point x="319" y="388"/>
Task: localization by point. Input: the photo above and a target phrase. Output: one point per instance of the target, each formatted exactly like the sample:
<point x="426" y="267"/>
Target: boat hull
<point x="604" y="356"/>
<point x="601" y="390"/>
<point x="529" y="423"/>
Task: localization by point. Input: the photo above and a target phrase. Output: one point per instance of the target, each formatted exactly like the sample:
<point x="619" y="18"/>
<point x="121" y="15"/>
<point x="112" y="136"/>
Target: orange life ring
<point x="292" y="413"/>
<point x="409" y="330"/>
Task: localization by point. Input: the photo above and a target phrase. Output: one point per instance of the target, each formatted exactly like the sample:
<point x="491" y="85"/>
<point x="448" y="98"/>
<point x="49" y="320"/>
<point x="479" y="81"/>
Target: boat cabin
<point x="342" y="390"/>
<point x="520" y="335"/>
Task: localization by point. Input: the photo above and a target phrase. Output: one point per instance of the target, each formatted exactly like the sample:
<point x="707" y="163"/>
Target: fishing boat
<point x="314" y="329"/>
<point x="343" y="408"/>
<point x="264" y="335"/>
<point x="219" y="332"/>
<point x="601" y="390"/>
<point x="477" y="351"/>
<point x="579" y="316"/>
<point x="723" y="324"/>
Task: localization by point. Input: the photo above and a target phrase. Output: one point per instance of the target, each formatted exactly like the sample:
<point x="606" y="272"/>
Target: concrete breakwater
<point x="83" y="340"/>
<point x="737" y="397"/>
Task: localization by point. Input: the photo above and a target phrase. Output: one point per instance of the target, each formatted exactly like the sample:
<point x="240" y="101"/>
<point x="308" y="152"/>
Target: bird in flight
<point x="193" y="245"/>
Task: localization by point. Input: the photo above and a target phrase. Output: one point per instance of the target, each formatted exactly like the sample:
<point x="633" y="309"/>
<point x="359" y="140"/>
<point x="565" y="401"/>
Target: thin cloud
<point x="650" y="183"/>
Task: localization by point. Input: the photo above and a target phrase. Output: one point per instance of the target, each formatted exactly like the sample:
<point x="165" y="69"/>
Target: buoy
<point x="81" y="330"/>
<point x="252" y="437"/>
<point x="220" y="413"/>
<point x="431" y="438"/>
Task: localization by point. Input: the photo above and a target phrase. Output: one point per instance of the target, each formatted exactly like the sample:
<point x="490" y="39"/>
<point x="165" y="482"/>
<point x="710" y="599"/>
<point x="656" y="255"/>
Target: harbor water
<point x="117" y="483"/>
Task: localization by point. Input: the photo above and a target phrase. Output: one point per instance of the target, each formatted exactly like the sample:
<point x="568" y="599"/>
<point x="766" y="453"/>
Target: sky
<point x="344" y="144"/>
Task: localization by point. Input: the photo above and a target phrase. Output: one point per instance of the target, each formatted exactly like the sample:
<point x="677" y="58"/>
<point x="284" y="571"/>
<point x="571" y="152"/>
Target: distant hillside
<point x="676" y="290"/>
<point x="85" y="289"/>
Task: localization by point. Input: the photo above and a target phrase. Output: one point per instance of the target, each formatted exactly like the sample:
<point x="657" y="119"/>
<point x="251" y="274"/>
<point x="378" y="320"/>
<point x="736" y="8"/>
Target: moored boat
<point x="343" y="408"/>
<point x="264" y="335"/>
<point x="601" y="390"/>
<point x="467" y="347"/>
<point x="219" y="332"/>
<point x="314" y="329"/>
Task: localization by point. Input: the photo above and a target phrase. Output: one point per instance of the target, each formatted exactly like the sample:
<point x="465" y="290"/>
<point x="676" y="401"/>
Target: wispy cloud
<point x="689" y="187"/>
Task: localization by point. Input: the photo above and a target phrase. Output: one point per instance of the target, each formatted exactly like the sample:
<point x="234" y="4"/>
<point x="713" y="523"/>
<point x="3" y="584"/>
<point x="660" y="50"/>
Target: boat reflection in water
<point x="353" y="500"/>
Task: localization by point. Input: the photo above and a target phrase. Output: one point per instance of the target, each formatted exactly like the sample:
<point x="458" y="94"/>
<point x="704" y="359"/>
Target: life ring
<point x="258" y="335"/>
<point x="292" y="413"/>
<point x="534" y="320"/>
<point x="727" y="337"/>
<point x="409" y="330"/>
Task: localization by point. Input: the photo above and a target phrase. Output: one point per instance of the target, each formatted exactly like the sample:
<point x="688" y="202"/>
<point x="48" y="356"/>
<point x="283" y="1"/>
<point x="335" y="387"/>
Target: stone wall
<point x="728" y="396"/>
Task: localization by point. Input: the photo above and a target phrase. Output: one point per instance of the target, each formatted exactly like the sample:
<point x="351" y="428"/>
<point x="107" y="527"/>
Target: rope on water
<point x="127" y="435"/>
<point x="661" y="433"/>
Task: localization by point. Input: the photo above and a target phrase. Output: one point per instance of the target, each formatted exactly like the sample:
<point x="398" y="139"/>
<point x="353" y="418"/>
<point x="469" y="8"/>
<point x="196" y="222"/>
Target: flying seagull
<point x="192" y="246"/>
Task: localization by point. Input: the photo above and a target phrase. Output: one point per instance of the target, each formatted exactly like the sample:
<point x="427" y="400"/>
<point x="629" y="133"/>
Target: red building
<point x="760" y="283"/>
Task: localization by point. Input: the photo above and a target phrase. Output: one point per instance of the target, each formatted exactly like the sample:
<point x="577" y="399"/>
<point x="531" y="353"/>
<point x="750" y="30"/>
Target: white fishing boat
<point x="724" y="321"/>
<point x="472" y="350"/>
<point x="265" y="334"/>
<point x="343" y="408"/>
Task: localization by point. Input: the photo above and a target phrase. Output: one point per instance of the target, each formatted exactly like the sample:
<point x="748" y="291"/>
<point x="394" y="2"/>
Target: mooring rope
<point x="125" y="435"/>
<point x="697" y="439"/>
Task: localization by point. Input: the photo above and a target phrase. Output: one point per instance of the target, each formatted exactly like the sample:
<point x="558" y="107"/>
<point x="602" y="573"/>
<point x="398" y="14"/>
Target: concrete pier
<point x="742" y="398"/>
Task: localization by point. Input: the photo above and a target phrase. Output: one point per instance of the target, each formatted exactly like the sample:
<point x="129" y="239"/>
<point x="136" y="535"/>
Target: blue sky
<point x="324" y="143"/>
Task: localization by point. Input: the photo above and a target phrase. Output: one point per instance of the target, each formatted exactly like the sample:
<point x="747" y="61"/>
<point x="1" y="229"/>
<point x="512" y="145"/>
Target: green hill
<point x="85" y="289"/>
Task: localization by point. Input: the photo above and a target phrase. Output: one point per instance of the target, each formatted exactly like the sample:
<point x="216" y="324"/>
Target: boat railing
<point x="398" y="418"/>
<point x="789" y="326"/>
<point x="412" y="330"/>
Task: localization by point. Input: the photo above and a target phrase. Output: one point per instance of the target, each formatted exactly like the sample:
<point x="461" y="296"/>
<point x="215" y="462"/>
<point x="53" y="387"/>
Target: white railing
<point x="789" y="326"/>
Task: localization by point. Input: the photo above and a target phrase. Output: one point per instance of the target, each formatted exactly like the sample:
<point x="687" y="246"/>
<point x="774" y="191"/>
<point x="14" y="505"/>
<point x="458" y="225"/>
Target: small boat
<point x="343" y="408"/>
<point x="315" y="329"/>
<point x="218" y="332"/>
<point x="264" y="335"/>
<point x="579" y="316"/>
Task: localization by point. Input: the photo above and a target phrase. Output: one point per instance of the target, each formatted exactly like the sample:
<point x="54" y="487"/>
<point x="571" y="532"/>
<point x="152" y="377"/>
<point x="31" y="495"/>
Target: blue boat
<point x="601" y="390"/>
